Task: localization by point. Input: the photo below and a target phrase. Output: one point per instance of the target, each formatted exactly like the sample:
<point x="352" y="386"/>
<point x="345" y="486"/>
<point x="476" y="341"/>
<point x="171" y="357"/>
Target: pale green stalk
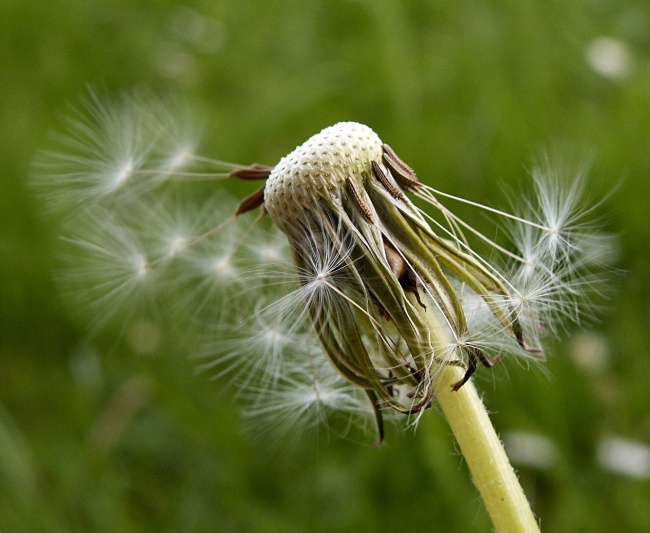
<point x="489" y="466"/>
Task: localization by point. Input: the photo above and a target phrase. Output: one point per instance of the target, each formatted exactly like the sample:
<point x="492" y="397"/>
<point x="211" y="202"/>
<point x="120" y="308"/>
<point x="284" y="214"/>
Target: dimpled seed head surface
<point x="319" y="167"/>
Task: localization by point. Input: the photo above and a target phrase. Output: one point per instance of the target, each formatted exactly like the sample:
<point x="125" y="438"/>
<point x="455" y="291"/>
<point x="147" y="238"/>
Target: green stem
<point x="487" y="461"/>
<point x="491" y="471"/>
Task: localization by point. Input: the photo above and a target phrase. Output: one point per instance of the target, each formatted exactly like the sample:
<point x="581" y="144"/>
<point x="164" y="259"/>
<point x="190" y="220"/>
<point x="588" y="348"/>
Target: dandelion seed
<point x="255" y="350"/>
<point x="117" y="150"/>
<point x="306" y="397"/>
<point x="111" y="269"/>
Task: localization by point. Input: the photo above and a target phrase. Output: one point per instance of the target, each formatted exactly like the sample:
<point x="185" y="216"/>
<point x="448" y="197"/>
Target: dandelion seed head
<point x="319" y="166"/>
<point x="379" y="297"/>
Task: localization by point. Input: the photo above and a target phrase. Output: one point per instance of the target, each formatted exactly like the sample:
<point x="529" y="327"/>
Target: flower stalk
<point x="493" y="476"/>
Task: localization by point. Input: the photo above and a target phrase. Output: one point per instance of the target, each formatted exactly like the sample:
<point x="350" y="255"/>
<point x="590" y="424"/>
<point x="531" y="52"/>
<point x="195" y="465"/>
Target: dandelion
<point x="382" y="300"/>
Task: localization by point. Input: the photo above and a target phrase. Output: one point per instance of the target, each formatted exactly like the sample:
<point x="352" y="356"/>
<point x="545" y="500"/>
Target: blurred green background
<point x="95" y="438"/>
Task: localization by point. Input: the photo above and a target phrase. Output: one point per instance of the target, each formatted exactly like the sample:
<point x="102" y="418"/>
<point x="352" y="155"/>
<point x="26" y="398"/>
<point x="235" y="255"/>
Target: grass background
<point x="94" y="438"/>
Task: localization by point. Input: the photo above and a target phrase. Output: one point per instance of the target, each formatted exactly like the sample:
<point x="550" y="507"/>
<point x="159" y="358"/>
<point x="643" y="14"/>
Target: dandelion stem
<point x="491" y="471"/>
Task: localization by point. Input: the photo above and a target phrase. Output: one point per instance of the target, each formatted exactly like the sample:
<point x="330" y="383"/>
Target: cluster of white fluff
<point x="149" y="234"/>
<point x="554" y="262"/>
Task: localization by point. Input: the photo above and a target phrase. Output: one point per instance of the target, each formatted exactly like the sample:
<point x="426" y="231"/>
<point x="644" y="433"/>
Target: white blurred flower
<point x="530" y="449"/>
<point x="609" y="57"/>
<point x="625" y="457"/>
